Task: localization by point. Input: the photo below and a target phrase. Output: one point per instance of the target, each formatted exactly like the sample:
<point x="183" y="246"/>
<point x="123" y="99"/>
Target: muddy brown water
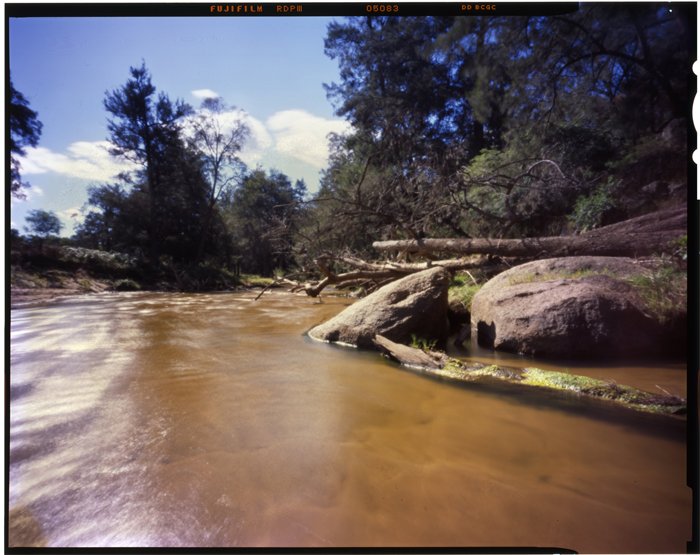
<point x="211" y="420"/>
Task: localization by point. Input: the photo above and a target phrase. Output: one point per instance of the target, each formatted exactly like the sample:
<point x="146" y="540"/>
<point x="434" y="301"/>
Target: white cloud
<point x="71" y="217"/>
<point x="283" y="141"/>
<point x="294" y="134"/>
<point x="304" y="136"/>
<point x="259" y="141"/>
<point x="205" y="93"/>
<point x="84" y="160"/>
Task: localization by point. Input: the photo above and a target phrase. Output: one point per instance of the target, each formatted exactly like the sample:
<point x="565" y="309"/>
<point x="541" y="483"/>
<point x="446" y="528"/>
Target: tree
<point x="264" y="217"/>
<point x="43" y="224"/>
<point x="145" y="129"/>
<point x="118" y="214"/>
<point x="165" y="212"/>
<point x="498" y="126"/>
<point x="115" y="219"/>
<point x="412" y="126"/>
<point x="217" y="138"/>
<point x="405" y="102"/>
<point x="25" y="130"/>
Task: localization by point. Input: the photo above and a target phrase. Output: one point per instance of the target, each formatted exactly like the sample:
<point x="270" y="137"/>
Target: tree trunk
<point x="642" y="236"/>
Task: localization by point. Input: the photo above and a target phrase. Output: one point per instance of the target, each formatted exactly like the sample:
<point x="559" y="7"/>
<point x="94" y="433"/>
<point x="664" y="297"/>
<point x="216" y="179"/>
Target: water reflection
<point x="210" y="420"/>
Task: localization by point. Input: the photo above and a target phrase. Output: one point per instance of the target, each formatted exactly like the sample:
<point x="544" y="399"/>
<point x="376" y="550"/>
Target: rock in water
<point x="414" y="305"/>
<point x="566" y="307"/>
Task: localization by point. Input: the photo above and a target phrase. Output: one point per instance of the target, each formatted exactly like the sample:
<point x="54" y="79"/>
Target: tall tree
<point x="25" y="130"/>
<point x="144" y="128"/>
<point x="217" y="134"/>
<point x="581" y="99"/>
<point x="399" y="97"/>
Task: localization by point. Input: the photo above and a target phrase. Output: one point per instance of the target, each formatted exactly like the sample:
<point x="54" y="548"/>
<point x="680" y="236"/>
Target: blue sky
<point x="272" y="68"/>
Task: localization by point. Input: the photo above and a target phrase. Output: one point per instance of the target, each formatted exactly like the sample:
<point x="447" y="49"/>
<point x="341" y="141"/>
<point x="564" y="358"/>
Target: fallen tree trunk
<point x="411" y="267"/>
<point x="645" y="235"/>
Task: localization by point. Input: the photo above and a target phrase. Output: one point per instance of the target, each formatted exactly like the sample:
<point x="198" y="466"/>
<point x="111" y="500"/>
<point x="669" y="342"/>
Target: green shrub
<point x="663" y="290"/>
<point x="680" y="248"/>
<point x="127" y="285"/>
<point x="590" y="209"/>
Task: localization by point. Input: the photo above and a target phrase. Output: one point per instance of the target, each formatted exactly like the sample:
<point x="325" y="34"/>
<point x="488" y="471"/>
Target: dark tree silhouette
<point x="145" y="128"/>
<point x="25" y="130"/>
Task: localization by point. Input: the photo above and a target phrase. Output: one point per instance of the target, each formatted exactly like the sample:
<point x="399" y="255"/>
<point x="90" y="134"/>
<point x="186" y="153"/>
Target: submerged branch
<point x="440" y="365"/>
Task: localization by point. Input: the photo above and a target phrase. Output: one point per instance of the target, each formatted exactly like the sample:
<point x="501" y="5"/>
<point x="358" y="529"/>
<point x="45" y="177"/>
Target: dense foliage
<point x="462" y="127"/>
<point x="506" y="126"/>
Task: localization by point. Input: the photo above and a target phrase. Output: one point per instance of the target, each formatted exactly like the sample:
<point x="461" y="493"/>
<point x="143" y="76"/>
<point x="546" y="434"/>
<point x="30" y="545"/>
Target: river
<point x="211" y="420"/>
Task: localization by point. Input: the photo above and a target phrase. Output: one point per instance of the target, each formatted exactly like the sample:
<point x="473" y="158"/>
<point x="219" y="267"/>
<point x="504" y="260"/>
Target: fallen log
<point x="442" y="366"/>
<point x="411" y="267"/>
<point x="642" y="236"/>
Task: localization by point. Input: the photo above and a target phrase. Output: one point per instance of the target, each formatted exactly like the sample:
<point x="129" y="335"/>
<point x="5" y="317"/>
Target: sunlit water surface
<point x="211" y="420"/>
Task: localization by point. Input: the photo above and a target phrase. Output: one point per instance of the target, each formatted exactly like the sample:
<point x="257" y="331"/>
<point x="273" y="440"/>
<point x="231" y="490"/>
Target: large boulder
<point x="567" y="307"/>
<point x="413" y="305"/>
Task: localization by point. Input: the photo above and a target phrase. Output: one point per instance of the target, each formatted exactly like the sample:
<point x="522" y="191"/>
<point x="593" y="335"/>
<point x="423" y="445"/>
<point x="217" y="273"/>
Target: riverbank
<point x="37" y="286"/>
<point x="32" y="286"/>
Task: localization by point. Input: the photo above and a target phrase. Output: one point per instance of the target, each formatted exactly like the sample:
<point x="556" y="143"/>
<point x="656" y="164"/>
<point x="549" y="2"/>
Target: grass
<point x="27" y="280"/>
<point x="605" y="389"/>
<point x="252" y="280"/>
<point x="463" y="289"/>
<point x="463" y="293"/>
<point x="557" y="380"/>
<point x="422" y="344"/>
<point x="663" y="291"/>
<point x="85" y="284"/>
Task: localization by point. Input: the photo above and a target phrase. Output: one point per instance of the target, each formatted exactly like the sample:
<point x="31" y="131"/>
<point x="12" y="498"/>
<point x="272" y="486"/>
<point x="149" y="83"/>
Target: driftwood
<point x="641" y="236"/>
